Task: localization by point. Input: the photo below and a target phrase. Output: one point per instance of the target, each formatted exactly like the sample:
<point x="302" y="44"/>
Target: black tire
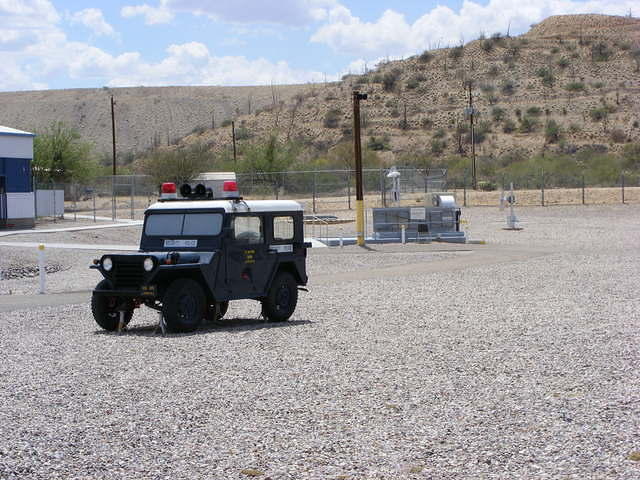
<point x="281" y="301"/>
<point x="105" y="311"/>
<point x="183" y="305"/>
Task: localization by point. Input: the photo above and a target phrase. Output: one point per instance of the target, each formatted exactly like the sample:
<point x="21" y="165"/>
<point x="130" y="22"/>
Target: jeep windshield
<point x="183" y="224"/>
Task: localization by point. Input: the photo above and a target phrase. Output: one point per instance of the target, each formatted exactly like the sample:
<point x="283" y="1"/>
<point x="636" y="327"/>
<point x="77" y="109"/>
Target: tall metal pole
<point x="357" y="153"/>
<point x="233" y="137"/>
<point x="113" y="178"/>
<point x="473" y="142"/>
<point x="113" y="134"/>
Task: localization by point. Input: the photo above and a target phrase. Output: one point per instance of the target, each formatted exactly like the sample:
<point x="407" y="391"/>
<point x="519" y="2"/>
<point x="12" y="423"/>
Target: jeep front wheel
<point x="105" y="308"/>
<point x="281" y="301"/>
<point x="183" y="305"/>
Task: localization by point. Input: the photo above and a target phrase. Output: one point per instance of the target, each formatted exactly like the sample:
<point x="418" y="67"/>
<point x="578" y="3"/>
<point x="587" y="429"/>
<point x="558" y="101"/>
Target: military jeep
<point x="196" y="255"/>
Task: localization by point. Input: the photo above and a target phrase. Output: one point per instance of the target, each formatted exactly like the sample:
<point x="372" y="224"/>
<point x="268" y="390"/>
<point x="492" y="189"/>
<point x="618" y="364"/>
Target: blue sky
<point x="74" y="44"/>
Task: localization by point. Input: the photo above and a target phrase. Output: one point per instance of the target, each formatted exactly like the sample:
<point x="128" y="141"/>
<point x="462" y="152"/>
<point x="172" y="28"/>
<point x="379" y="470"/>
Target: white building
<point x="17" y="207"/>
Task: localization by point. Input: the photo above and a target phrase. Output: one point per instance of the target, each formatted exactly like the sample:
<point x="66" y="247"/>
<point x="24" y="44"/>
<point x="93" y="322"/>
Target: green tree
<point x="178" y="165"/>
<point x="60" y="155"/>
<point x="268" y="159"/>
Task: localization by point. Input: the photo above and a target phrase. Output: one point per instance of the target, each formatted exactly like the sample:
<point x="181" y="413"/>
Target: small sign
<point x="282" y="248"/>
<point x="180" y="243"/>
<point x="417" y="213"/>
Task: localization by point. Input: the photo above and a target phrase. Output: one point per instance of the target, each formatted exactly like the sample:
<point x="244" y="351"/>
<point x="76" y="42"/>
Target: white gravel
<point x="513" y="370"/>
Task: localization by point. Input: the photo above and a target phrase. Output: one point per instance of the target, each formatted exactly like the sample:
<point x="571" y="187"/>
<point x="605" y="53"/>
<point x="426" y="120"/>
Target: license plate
<point x="180" y="243"/>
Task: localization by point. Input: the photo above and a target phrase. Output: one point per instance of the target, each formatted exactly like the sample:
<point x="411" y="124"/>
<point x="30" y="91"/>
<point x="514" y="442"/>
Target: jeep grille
<point x="128" y="273"/>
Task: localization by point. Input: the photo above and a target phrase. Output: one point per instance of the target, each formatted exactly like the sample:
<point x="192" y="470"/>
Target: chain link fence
<point x="327" y="191"/>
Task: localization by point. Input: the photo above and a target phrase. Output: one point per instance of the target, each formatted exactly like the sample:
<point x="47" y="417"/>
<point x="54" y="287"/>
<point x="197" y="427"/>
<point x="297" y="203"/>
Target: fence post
<point x="94" y="203"/>
<point x="583" y="189"/>
<point x="349" y="188"/>
<point x="314" y="191"/>
<point x="383" y="197"/>
<point x="542" y="186"/>
<point x="113" y="198"/>
<point x="464" y="189"/>
<point x="133" y="192"/>
<point x="75" y="202"/>
<point x="622" y="185"/>
<point x="53" y="188"/>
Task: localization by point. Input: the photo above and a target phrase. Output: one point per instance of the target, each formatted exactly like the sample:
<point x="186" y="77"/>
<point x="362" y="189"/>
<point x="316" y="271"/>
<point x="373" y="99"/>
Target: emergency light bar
<point x="230" y="189"/>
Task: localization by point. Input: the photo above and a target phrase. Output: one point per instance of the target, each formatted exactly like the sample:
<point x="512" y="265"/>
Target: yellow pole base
<point x="360" y="222"/>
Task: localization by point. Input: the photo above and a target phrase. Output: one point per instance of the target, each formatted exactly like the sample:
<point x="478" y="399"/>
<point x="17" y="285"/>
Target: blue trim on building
<point x="18" y="174"/>
<point x="16" y="134"/>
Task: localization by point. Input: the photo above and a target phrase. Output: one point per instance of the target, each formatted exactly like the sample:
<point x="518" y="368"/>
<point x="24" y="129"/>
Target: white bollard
<point x="42" y="267"/>
<point x="403" y="233"/>
<point x="341" y="238"/>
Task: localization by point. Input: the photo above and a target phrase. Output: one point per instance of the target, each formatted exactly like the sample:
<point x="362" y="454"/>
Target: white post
<point x="341" y="238"/>
<point x="403" y="233"/>
<point x="42" y="268"/>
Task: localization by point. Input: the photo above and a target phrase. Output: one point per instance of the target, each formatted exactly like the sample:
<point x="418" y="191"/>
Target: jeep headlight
<point x="148" y="264"/>
<point x="107" y="264"/>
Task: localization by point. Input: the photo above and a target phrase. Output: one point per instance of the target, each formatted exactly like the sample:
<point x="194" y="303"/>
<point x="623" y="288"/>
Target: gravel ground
<point x="511" y="370"/>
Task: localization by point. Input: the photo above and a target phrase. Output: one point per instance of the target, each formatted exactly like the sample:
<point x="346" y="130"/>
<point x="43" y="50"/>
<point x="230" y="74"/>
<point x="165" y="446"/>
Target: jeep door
<point x="248" y="262"/>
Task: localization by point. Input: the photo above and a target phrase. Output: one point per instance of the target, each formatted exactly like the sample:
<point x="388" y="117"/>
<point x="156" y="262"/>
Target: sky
<point x="53" y="44"/>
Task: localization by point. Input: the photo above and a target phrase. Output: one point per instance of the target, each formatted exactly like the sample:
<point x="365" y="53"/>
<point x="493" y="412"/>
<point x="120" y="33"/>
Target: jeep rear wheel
<point x="281" y="301"/>
<point x="105" y="308"/>
<point x="183" y="305"/>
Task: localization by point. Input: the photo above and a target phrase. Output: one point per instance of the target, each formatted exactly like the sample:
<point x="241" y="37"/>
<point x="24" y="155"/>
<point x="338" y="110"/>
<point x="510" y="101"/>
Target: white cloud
<point x="392" y="35"/>
<point x="40" y="51"/>
<point x="152" y="15"/>
<point x="93" y="19"/>
<point x="285" y="12"/>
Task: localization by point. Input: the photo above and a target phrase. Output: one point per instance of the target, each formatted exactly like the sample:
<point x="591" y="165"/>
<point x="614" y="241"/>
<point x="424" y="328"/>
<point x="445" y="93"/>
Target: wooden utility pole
<point x="233" y="137"/>
<point x="113" y="133"/>
<point x="473" y="141"/>
<point x="357" y="153"/>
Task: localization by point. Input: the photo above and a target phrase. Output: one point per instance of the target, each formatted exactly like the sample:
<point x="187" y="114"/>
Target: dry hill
<point x="144" y="115"/>
<point x="579" y="71"/>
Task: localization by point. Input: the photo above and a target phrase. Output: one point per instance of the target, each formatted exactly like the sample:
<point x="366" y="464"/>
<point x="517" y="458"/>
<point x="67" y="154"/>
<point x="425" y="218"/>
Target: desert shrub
<point x="625" y="46"/>
<point x="547" y="76"/>
<point x="575" y="128"/>
<point x="598" y="85"/>
<point x="598" y="114"/>
<point x="395" y="113"/>
<point x="498" y="114"/>
<point x="199" y="130"/>
<point x="528" y="125"/>
<point x="438" y="146"/>
<point x="413" y="83"/>
<point x="425" y="57"/>
<point x="552" y="132"/>
<point x="555" y="50"/>
<point x="377" y="78"/>
<point x="509" y="126"/>
<point x="508" y="87"/>
<point x="362" y="80"/>
<point x="618" y="136"/>
<point x="332" y="118"/>
<point x="575" y="87"/>
<point x="487" y="88"/>
<point x="440" y="133"/>
<point x="631" y="156"/>
<point x="600" y="52"/>
<point x="243" y="133"/>
<point x="378" y="144"/>
<point x="575" y="55"/>
<point x="226" y="123"/>
<point x="390" y="79"/>
<point x="456" y="53"/>
<point x="494" y="71"/>
<point x="486" y="186"/>
<point x="426" y="123"/>
<point x="563" y="63"/>
<point x="534" y="111"/>
<point x="636" y="124"/>
<point x="487" y="45"/>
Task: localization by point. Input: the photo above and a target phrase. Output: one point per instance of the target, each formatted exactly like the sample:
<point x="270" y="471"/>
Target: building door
<point x="3" y="201"/>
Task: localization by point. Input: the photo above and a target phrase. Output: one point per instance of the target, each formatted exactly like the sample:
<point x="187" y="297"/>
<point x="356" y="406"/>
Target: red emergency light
<point x="230" y="186"/>
<point x="168" y="190"/>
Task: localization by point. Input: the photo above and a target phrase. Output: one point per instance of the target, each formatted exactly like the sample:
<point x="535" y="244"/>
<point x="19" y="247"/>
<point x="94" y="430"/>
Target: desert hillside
<point x="579" y="72"/>
<point x="144" y="115"/>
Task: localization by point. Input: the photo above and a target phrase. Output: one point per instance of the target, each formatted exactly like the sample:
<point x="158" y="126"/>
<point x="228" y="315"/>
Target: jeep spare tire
<point x="281" y="301"/>
<point x="183" y="305"/>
